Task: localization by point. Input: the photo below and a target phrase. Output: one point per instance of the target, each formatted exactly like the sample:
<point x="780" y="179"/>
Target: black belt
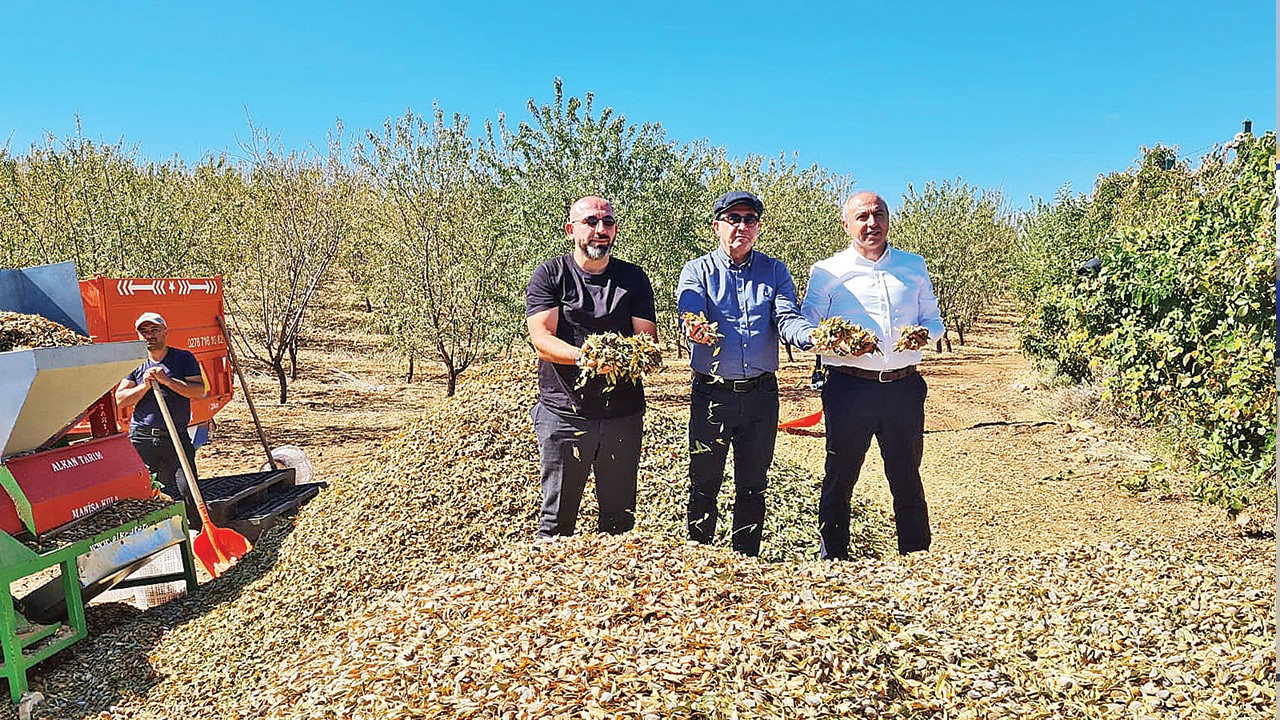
<point x="738" y="386"/>
<point x="153" y="432"/>
<point x="883" y="376"/>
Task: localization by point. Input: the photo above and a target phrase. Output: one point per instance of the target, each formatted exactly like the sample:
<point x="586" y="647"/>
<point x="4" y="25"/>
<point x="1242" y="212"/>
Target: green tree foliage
<point x="439" y="267"/>
<point x="1055" y="238"/>
<point x="1180" y="321"/>
<point x="966" y="239"/>
<point x="1052" y="243"/>
<point x="440" y="228"/>
<point x="99" y="206"/>
<point x="568" y="151"/>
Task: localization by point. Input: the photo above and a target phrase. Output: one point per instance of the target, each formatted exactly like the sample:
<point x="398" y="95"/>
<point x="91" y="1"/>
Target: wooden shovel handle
<point x="192" y="485"/>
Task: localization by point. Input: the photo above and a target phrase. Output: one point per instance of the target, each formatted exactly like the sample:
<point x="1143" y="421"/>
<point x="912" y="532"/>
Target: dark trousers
<point x="747" y="421"/>
<point x="571" y="448"/>
<point x="857" y="410"/>
<point x="158" y="455"/>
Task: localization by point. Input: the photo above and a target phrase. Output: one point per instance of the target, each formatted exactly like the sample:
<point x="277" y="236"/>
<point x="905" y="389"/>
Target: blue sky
<point x="1024" y="96"/>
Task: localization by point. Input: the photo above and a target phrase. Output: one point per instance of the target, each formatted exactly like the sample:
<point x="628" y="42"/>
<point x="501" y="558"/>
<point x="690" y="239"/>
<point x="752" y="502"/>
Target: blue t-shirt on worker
<point x="178" y="363"/>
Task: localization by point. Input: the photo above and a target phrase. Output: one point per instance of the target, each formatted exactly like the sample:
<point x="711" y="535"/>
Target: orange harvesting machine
<point x="191" y="308"/>
<point x="65" y="454"/>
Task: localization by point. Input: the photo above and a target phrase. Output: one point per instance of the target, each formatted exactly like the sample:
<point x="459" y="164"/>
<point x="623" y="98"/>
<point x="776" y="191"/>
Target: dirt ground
<point x="1003" y="465"/>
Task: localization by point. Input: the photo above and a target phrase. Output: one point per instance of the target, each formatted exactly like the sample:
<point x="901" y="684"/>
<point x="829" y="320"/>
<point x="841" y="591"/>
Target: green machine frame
<point x="132" y="543"/>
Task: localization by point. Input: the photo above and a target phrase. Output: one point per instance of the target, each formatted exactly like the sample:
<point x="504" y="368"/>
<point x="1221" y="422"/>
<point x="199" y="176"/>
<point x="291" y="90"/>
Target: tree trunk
<point x="453" y="381"/>
<point x="368" y="306"/>
<point x="409" y="378"/>
<point x="277" y="365"/>
<point x="960" y="332"/>
<point x="293" y="360"/>
<point x="790" y="357"/>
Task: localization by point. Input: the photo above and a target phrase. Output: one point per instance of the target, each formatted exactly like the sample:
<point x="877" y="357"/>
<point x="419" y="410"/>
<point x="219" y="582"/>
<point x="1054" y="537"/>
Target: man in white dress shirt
<point x="884" y="289"/>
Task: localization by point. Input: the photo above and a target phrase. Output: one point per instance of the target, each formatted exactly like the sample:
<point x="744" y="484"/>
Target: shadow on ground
<point x="122" y="638"/>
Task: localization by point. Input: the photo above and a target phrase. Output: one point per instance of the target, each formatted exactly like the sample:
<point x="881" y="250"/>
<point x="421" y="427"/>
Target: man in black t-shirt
<point x="583" y="293"/>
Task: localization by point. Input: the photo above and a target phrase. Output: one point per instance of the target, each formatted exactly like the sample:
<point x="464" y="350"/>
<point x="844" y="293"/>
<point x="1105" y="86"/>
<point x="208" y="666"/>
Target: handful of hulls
<point x="838" y="336"/>
<point x="617" y="358"/>
<point x="699" y="329"/>
<point x="911" y="337"/>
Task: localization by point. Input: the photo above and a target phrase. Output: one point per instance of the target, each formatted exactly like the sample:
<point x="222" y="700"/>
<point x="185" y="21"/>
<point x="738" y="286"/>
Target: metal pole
<point x="244" y="386"/>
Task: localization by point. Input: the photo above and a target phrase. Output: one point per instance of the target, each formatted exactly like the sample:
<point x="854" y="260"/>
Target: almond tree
<point x="967" y="239"/>
<point x="568" y="150"/>
<point x="291" y="225"/>
<point x="98" y="205"/>
<point x="439" y="270"/>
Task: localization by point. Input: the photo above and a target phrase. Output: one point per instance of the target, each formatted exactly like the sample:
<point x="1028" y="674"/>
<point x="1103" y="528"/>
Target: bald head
<point x="866" y="196"/>
<point x="582" y="207"/>
<point x="866" y="221"/>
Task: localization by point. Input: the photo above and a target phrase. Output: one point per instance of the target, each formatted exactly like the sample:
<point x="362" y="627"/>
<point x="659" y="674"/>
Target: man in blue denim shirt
<point x="752" y="300"/>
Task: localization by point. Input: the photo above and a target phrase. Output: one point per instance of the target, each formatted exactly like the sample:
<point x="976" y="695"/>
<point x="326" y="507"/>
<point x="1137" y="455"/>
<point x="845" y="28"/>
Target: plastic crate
<point x="165" y="562"/>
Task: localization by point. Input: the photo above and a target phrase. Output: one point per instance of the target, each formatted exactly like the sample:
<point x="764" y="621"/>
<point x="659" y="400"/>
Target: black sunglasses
<point x="735" y="218"/>
<point x="607" y="220"/>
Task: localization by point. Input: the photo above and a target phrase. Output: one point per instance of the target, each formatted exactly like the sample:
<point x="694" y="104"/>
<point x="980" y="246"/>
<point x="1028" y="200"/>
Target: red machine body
<point x="69" y="483"/>
<point x="190" y="307"/>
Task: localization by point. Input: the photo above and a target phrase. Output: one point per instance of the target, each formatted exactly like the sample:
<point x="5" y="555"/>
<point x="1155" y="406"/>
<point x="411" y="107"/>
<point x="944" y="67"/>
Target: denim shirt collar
<point x="723" y="258"/>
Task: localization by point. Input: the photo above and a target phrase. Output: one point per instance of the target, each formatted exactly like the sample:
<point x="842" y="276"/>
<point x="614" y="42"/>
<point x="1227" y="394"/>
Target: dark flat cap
<point x="736" y="197"/>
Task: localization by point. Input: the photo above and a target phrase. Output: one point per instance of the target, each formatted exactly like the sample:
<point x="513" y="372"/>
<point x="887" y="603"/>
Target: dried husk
<point x="461" y="482"/>
<point x="699" y="329"/>
<point x="643" y="626"/>
<point x="838" y="336"/>
<point x="19" y="331"/>
<point x="410" y="589"/>
<point x="629" y="358"/>
<point x="911" y="337"/>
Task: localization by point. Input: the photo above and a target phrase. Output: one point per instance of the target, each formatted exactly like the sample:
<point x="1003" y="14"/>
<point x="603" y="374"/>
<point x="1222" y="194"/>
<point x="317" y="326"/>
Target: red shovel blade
<point x="804" y="422"/>
<point x="219" y="548"/>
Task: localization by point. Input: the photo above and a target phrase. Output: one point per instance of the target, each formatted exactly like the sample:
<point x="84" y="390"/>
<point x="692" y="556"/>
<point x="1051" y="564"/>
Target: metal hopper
<point x="46" y="388"/>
